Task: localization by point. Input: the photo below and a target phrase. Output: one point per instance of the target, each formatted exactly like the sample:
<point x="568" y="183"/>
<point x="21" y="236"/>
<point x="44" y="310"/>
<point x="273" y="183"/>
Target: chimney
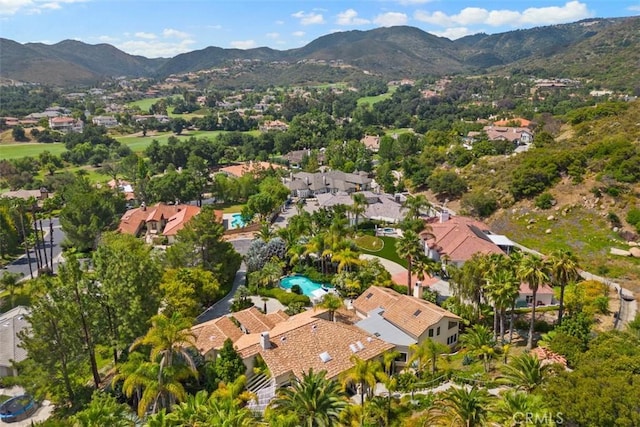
<point x="264" y="341"/>
<point x="143" y="206"/>
<point x="444" y="216"/>
<point x="417" y="289"/>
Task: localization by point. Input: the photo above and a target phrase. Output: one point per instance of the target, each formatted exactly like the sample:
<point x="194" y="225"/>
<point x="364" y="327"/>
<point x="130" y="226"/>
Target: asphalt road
<point x="21" y="265"/>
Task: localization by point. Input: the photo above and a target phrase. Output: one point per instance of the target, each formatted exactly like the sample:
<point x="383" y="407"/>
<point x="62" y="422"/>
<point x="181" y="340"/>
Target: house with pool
<point x="287" y="346"/>
<point x="404" y="320"/>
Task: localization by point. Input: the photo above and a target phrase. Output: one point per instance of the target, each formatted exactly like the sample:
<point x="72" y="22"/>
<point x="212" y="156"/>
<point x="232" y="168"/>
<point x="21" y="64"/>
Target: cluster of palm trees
<point x="495" y="279"/>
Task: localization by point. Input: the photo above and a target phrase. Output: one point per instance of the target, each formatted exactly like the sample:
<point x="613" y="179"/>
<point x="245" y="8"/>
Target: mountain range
<point x="581" y="49"/>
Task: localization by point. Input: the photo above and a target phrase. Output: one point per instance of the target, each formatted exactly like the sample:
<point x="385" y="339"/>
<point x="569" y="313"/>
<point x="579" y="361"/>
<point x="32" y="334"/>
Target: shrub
<point x="633" y="218"/>
<point x="296" y="289"/>
<point x="614" y="219"/>
<point x="285" y="298"/>
<point x="544" y="201"/>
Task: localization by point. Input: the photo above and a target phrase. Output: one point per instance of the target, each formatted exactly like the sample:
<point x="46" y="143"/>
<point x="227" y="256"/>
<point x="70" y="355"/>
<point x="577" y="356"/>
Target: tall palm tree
<point x="364" y="373"/>
<point x="468" y="407"/>
<point x="347" y="258"/>
<point x="388" y="361"/>
<point x="478" y="340"/>
<point x="169" y="338"/>
<point x="468" y="282"/>
<point x="265" y="232"/>
<point x="502" y="289"/>
<point x="511" y="410"/>
<point x="532" y="270"/>
<point x="525" y="372"/>
<point x="409" y="247"/>
<point x="316" y="246"/>
<point x="358" y="207"/>
<point x="427" y="352"/>
<point x="272" y="271"/>
<point x="313" y="399"/>
<point x="563" y="269"/>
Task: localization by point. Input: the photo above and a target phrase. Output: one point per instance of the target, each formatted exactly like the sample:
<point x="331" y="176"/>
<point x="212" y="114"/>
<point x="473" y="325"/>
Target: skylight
<point x="325" y="357"/>
<point x="360" y="345"/>
<point x="417" y="313"/>
<point x="353" y="348"/>
<point x="369" y="295"/>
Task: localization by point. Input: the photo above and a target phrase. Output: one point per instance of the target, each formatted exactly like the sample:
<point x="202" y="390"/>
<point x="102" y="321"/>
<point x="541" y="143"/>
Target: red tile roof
<point x="460" y="238"/>
<point x="212" y="334"/>
<point x="179" y="219"/>
<point x="547" y="357"/>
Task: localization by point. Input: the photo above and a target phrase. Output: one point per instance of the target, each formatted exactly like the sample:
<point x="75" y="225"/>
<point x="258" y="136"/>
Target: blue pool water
<point x="236" y="221"/>
<point x="307" y="285"/>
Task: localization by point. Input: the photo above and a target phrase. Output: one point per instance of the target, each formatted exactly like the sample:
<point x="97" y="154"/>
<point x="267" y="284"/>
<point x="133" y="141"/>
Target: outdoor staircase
<point x="264" y="387"/>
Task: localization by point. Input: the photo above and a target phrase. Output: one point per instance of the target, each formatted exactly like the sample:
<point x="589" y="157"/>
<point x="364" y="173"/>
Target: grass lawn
<point x="229" y="208"/>
<point x="373" y="99"/>
<point x="388" y="251"/>
<point x="144" y="104"/>
<point x="139" y="143"/>
<point x="29" y="149"/>
<point x="370" y="243"/>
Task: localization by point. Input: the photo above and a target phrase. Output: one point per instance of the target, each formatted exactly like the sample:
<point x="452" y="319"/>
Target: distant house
<point x="158" y="220"/>
<point x="404" y="320"/>
<point x="372" y="142"/>
<point x="544" y="296"/>
<point x="304" y="184"/>
<point x="288" y="346"/>
<point x="296" y="157"/>
<point x="66" y="124"/>
<point x="11" y="323"/>
<point x="515" y="135"/>
<point x="250" y="167"/>
<point x="517" y="121"/>
<point x="273" y="125"/>
<point x="106" y="121"/>
<point x="40" y="194"/>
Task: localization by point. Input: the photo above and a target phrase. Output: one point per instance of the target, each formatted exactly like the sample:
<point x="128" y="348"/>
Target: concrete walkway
<point x="42" y="413"/>
<point x="392" y="267"/>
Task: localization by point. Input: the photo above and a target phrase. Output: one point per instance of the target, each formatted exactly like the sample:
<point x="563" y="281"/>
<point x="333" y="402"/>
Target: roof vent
<point x="369" y="339"/>
<point x="360" y="345"/>
<point x="325" y="357"/>
<point x="283" y="339"/>
<point x="353" y="348"/>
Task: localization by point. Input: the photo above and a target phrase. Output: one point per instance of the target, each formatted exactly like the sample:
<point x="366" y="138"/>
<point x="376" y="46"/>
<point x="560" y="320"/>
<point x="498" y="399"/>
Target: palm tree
<point x="331" y="302"/>
<point x="414" y="205"/>
<point x="525" y="372"/>
<point x="468" y="407"/>
<point x="511" y="409"/>
<point x="532" y="270"/>
<point x="358" y="207"/>
<point x="389" y="358"/>
<point x="468" y="282"/>
<point x="409" y="247"/>
<point x="316" y="246"/>
<point x="478" y="340"/>
<point x="315" y="401"/>
<point x="502" y="289"/>
<point x="169" y="338"/>
<point x="265" y="232"/>
<point x="563" y="268"/>
<point x="347" y="258"/>
<point x="365" y="373"/>
<point x="10" y="282"/>
<point x="271" y="272"/>
<point x="427" y="352"/>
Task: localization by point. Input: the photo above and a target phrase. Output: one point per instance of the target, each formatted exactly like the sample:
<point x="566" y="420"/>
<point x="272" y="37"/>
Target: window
<point x="402" y="357"/>
<point x="430" y="332"/>
<point x="452" y="324"/>
<point x="529" y="299"/>
<point x="438" y="331"/>
<point x="452" y="339"/>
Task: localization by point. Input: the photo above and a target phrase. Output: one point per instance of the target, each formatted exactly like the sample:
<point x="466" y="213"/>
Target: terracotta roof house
<point x="372" y="142"/>
<point x="518" y="121"/>
<point x="12" y="322"/>
<point x="544" y="296"/>
<point x="273" y="125"/>
<point x="548" y="357"/>
<point x="404" y="320"/>
<point x="65" y="124"/>
<point x="289" y="346"/>
<point x="458" y="238"/>
<point x="157" y="220"/>
<point x="249" y="167"/>
<point x="305" y="184"/>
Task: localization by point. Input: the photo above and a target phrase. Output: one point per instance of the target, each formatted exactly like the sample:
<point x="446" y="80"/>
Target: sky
<point x="160" y="28"/>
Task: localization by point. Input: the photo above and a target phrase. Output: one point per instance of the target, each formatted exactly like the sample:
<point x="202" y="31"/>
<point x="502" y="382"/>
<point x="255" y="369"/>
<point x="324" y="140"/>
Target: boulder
<point x="619" y="252"/>
<point x="547" y="231"/>
<point x="551" y="218"/>
<point x="635" y="252"/>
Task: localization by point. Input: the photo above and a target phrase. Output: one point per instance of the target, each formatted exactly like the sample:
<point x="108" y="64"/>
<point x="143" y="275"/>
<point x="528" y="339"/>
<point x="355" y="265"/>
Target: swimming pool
<point x="308" y="286"/>
<point x="236" y="221"/>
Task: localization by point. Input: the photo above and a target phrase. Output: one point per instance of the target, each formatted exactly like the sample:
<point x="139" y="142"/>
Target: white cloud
<point x="309" y="18"/>
<point x="390" y="19"/>
<point x="453" y="33"/>
<point x="243" y="44"/>
<point x="412" y="2"/>
<point x="146" y="36"/>
<point x="107" y="39"/>
<point x="11" y="7"/>
<point x="156" y="48"/>
<point x="350" y="17"/>
<point x="170" y="32"/>
<point x="214" y="27"/>
<point x="298" y="33"/>
<point x="273" y="35"/>
<point x="635" y="8"/>
<point x="570" y="12"/>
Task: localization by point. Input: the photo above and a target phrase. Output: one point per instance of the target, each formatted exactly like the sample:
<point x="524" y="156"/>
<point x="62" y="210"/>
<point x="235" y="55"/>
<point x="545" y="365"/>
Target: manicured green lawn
<point x="144" y="104"/>
<point x="139" y="143"/>
<point x="388" y="251"/>
<point x="28" y="149"/>
<point x="370" y="243"/>
<point x="373" y="99"/>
